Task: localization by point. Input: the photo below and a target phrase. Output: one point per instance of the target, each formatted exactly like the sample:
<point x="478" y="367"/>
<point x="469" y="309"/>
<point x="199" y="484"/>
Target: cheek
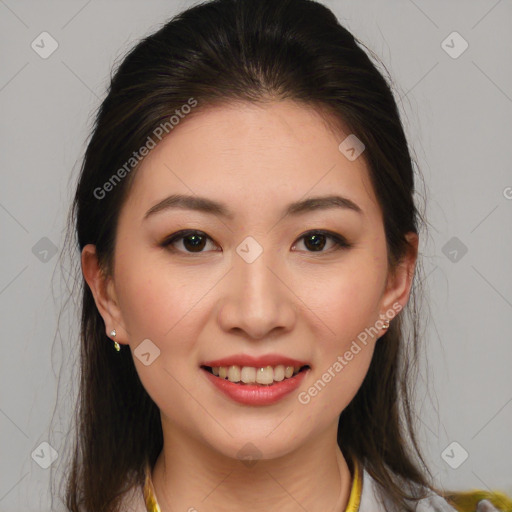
<point x="162" y="305"/>
<point x="344" y="345"/>
<point x="153" y="297"/>
<point x="345" y="308"/>
<point x="345" y="297"/>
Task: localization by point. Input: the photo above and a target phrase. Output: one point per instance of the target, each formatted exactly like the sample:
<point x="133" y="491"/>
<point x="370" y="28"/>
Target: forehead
<point x="254" y="158"/>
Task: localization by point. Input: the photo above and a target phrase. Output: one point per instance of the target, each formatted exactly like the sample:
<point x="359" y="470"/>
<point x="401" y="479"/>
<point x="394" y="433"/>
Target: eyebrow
<point x="205" y="205"/>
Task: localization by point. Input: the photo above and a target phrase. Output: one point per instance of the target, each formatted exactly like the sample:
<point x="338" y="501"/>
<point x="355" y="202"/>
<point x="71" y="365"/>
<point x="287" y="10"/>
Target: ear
<point x="399" y="283"/>
<point x="103" y="290"/>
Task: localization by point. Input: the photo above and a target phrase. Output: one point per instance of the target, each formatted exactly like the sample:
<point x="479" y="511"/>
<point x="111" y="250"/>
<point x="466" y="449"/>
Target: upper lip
<point x="256" y="362"/>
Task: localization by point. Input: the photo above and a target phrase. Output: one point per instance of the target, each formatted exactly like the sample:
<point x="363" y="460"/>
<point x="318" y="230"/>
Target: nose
<point x="257" y="300"/>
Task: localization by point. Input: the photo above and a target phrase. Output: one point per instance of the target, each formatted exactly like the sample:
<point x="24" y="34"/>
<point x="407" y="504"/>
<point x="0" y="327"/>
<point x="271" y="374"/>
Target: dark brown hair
<point x="241" y="51"/>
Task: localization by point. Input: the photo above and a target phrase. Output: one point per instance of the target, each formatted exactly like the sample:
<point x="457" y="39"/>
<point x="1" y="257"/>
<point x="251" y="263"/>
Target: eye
<point x="316" y="241"/>
<point x="194" y="241"/>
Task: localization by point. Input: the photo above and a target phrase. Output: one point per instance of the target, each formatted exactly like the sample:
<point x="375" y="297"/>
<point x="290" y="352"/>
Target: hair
<point x="221" y="52"/>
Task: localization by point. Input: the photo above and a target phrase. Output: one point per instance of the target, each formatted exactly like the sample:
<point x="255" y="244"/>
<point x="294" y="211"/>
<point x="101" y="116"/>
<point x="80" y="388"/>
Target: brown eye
<point x="315" y="241"/>
<point x="193" y="241"/>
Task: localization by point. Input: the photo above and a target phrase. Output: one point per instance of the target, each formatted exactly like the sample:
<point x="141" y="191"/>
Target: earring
<point x="385" y="324"/>
<point x="116" y="345"/>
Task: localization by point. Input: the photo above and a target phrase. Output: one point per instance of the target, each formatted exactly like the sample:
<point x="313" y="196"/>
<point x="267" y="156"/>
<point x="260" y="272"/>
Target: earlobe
<point x="103" y="290"/>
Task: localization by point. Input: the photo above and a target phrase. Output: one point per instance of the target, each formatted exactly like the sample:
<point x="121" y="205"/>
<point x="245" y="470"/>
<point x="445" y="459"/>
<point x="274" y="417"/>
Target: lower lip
<point x="254" y="394"/>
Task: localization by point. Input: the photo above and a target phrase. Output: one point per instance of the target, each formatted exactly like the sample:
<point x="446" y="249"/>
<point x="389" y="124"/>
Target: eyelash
<point x="339" y="241"/>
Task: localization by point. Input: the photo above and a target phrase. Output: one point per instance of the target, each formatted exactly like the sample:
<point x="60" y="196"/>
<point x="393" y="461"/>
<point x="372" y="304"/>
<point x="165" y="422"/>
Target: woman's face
<point x="252" y="283"/>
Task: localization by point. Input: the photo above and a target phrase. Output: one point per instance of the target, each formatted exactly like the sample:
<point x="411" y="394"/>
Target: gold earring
<point x="385" y="324"/>
<point x="116" y="345"/>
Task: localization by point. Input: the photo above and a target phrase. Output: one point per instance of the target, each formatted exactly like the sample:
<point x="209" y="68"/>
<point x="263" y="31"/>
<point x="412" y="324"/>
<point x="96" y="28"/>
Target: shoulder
<point x="480" y="501"/>
<point x="373" y="501"/>
<point x="473" y="501"/>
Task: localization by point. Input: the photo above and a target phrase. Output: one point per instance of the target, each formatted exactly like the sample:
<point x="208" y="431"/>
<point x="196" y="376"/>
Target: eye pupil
<point x="198" y="241"/>
<point x="318" y="241"/>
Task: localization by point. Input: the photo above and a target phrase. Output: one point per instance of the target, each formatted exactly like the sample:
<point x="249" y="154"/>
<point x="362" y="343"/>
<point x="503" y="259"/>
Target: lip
<point x="256" y="362"/>
<point x="249" y="394"/>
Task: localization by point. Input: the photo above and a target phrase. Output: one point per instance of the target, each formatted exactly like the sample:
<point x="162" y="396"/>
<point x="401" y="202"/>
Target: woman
<point x="249" y="242"/>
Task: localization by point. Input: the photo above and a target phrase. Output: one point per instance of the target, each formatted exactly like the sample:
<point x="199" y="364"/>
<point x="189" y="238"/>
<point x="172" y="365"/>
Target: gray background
<point x="456" y="113"/>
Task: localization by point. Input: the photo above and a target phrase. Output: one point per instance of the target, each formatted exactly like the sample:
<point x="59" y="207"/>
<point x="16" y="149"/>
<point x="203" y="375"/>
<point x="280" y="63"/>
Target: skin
<point x="291" y="300"/>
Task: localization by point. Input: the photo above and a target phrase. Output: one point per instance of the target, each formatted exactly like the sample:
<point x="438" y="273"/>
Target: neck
<point x="191" y="476"/>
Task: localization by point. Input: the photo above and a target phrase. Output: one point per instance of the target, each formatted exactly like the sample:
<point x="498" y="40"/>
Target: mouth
<point x="252" y="376"/>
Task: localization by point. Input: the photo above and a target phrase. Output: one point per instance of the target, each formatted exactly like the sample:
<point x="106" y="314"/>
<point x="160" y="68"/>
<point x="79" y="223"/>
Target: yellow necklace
<point x="352" y="505"/>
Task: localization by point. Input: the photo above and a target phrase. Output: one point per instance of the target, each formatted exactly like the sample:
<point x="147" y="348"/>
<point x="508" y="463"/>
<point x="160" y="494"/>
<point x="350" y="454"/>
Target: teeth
<point x="250" y="375"/>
